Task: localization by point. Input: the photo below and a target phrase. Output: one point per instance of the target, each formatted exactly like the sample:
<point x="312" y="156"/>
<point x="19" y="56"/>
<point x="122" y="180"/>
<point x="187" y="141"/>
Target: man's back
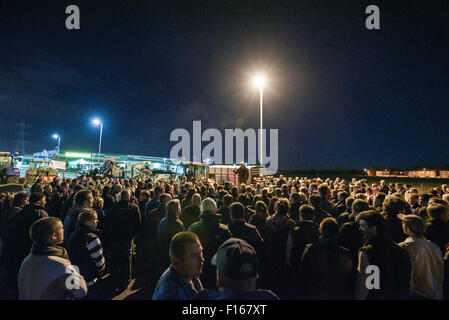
<point x="427" y="267"/>
<point x="326" y="268"/>
<point x="247" y="232"/>
<point x="190" y="215"/>
<point x="125" y="221"/>
<point x="44" y="278"/>
<point x="394" y="268"/>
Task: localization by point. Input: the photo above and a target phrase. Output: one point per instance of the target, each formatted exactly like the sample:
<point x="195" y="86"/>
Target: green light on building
<point x="77" y="155"/>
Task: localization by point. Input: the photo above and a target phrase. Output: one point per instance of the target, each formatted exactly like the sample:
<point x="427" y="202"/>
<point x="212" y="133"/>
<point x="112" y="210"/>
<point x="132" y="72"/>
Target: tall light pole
<point x="100" y="123"/>
<point x="56" y="136"/>
<point x="259" y="82"/>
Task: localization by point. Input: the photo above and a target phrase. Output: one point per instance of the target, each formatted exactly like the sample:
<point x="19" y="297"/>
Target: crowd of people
<point x="274" y="238"/>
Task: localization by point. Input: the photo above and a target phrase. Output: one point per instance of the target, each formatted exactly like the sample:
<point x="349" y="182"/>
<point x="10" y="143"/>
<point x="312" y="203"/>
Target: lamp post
<point x="259" y="82"/>
<point x="100" y="123"/>
<point x="56" y="136"/>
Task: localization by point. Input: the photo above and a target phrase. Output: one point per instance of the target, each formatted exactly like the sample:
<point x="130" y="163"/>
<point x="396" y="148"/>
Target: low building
<point x="423" y="172"/>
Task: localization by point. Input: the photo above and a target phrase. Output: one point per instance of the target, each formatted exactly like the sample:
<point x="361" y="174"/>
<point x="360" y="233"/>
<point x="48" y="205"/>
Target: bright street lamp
<point x="98" y="122"/>
<point x="259" y="82"/>
<point x="56" y="136"/>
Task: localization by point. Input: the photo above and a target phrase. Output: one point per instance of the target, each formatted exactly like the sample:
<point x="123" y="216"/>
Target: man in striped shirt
<point x="85" y="251"/>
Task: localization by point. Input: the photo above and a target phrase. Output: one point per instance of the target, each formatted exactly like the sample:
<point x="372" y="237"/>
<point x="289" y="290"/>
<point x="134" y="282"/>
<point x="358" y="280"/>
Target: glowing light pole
<point x="259" y="82"/>
<point x="56" y="136"/>
<point x="97" y="122"/>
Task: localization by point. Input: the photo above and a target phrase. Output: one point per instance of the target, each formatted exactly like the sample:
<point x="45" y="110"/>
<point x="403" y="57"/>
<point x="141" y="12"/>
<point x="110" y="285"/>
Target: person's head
<point x="282" y="207"/>
<point x="261" y="208"/>
<point x="243" y="199"/>
<point x="412" y="225"/>
<point x="358" y="206"/>
<point x="48" y="189"/>
<point x="87" y="218"/>
<point x="37" y="199"/>
<point x="278" y="192"/>
<point x="84" y="198"/>
<point x="47" y="231"/>
<point x="237" y="211"/>
<point x="237" y="266"/>
<point x="186" y="254"/>
<point x="21" y="199"/>
<point x="98" y="203"/>
<point x="315" y="201"/>
<point x="329" y="228"/>
<point x="173" y="208"/>
<point x="446" y="197"/>
<point x="158" y="190"/>
<point x="295" y="198"/>
<point x="392" y="206"/>
<point x="323" y="190"/>
<point x="144" y="196"/>
<point x="209" y="205"/>
<point x="125" y="195"/>
<point x="413" y="200"/>
<point x="196" y="199"/>
<point x="306" y="212"/>
<point x="372" y="223"/>
<point x="342" y="195"/>
<point x="438" y="211"/>
<point x="424" y="199"/>
<point x="348" y="203"/>
<point x="164" y="198"/>
<point x="227" y="200"/>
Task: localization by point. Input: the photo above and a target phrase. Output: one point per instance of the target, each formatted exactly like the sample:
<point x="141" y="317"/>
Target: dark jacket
<point x="394" y="268"/>
<point x="243" y="174"/>
<point x="258" y="220"/>
<point x="327" y="207"/>
<point x="211" y="234"/>
<point x="326" y="268"/>
<point x="18" y="242"/>
<point x="57" y="205"/>
<point x="225" y="215"/>
<point x="438" y="232"/>
<point x="85" y="252"/>
<point x="151" y="205"/>
<point x="320" y="215"/>
<point x="352" y="238"/>
<point x="166" y="229"/>
<point x="125" y="221"/>
<point x="190" y="215"/>
<point x="302" y="234"/>
<point x="108" y="202"/>
<point x="277" y="230"/>
<point x="294" y="211"/>
<point x="339" y="208"/>
<point x="247" y="232"/>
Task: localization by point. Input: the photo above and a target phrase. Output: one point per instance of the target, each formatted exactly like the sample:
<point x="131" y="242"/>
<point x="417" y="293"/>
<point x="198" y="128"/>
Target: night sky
<point x="340" y="95"/>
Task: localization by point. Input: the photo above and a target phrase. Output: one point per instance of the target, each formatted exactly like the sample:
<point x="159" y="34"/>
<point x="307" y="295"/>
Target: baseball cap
<point x="236" y="259"/>
<point x="414" y="222"/>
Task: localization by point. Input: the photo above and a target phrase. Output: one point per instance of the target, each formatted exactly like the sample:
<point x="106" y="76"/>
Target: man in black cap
<point x="237" y="272"/>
